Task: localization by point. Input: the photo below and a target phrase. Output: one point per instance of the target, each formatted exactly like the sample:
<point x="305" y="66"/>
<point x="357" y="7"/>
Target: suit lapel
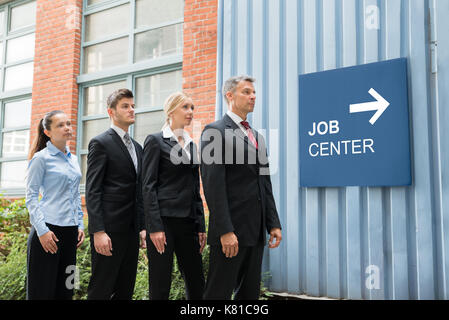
<point x="249" y="147"/>
<point x="172" y="143"/>
<point x="119" y="142"/>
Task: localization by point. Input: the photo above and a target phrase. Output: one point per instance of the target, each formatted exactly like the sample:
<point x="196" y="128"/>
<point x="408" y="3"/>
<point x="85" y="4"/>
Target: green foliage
<point x="264" y="293"/>
<point x="83" y="265"/>
<point x="141" y="286"/>
<point x="14" y="230"/>
<point x="13" y="218"/>
<point x="13" y="268"/>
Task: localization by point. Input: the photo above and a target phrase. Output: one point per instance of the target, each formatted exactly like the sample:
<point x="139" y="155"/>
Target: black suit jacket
<point x="239" y="197"/>
<point x="170" y="183"/>
<point x="113" y="187"/>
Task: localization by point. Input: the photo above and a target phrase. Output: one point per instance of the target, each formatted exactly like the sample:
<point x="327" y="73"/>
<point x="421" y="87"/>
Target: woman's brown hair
<point x="40" y="142"/>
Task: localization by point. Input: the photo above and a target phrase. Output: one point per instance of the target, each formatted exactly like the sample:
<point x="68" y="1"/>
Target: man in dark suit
<point x="114" y="203"/>
<point x="237" y="187"/>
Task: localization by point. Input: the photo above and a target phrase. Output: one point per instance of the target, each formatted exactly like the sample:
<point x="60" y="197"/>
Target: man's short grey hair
<point x="233" y="82"/>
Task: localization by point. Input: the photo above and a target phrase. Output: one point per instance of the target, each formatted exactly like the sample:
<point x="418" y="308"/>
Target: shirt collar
<point x="54" y="151"/>
<point x="168" y="133"/>
<point x="119" y="131"/>
<point x="235" y="117"/>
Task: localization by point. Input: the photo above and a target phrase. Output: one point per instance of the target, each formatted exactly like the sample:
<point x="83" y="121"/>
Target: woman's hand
<point x="143" y="239"/>
<point x="81" y="237"/>
<point x="48" y="242"/>
<point x="202" y="239"/>
<point x="159" y="241"/>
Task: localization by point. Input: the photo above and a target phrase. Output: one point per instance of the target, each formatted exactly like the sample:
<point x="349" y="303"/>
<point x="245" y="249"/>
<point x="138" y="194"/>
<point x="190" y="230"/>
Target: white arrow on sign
<point x="380" y="106"/>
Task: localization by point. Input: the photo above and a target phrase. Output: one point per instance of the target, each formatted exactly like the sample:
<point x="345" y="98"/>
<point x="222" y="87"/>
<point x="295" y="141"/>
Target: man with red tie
<point x="237" y="187"/>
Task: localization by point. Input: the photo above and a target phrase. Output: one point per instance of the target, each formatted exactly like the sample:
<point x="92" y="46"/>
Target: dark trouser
<point x="182" y="239"/>
<point x="241" y="274"/>
<point x="51" y="276"/>
<point x="114" y="277"/>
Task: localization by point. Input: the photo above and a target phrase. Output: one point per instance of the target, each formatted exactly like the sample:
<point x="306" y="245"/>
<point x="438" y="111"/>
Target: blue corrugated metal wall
<point x="332" y="235"/>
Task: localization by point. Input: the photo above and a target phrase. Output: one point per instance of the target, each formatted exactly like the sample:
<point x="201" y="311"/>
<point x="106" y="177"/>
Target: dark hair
<point x="116" y="96"/>
<point x="40" y="142"/>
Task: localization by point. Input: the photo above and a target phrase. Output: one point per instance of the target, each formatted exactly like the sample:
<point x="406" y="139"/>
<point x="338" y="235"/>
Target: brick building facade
<point x="85" y="49"/>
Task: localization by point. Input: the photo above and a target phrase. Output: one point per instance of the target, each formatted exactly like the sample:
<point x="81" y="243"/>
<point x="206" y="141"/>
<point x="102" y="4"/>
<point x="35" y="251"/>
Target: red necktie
<point x="250" y="133"/>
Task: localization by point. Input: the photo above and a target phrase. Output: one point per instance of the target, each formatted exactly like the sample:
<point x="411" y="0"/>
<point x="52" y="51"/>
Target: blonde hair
<point x="173" y="102"/>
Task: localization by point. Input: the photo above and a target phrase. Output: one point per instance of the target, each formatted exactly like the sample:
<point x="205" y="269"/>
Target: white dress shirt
<point x="168" y="133"/>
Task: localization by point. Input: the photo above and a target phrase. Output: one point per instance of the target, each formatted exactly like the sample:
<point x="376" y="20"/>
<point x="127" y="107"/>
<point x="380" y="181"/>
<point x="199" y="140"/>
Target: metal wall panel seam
<point x="374" y="254"/>
<point x="410" y="195"/>
<point x="436" y="165"/>
<point x="249" y="54"/>
<point x="258" y="71"/>
<point x="301" y="191"/>
<point x="234" y="27"/>
<point x="353" y="196"/>
<point x="242" y="36"/>
<point x="420" y="98"/>
<point x="255" y="61"/>
<point x="398" y="235"/>
<point x="227" y="52"/>
<point x="312" y="205"/>
<point x="332" y="248"/>
<point x="282" y="205"/>
<point x="291" y="242"/>
<point x="274" y="121"/>
<point x="219" y="68"/>
<point x="442" y="103"/>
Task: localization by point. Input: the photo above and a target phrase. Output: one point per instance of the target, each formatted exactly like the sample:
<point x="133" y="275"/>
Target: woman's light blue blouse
<point x="56" y="176"/>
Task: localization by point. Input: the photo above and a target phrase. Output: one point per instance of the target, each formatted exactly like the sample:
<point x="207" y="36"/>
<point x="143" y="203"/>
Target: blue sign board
<point x="354" y="126"/>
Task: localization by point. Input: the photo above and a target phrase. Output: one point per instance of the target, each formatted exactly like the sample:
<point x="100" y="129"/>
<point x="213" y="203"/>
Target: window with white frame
<point x="134" y="44"/>
<point x="17" y="33"/>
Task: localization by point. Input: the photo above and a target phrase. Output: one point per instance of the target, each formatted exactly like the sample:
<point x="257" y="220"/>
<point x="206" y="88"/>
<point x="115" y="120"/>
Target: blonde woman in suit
<point x="173" y="207"/>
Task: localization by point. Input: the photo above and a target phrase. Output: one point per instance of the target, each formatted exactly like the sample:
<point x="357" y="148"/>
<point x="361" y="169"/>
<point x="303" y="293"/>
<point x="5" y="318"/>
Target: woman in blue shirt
<point x="57" y="219"/>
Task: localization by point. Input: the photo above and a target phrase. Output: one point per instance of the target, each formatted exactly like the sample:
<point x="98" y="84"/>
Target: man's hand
<point x="159" y="241"/>
<point x="143" y="239"/>
<point x="48" y="242"/>
<point x="275" y="233"/>
<point x="202" y="239"/>
<point x="81" y="237"/>
<point x="102" y="243"/>
<point x="230" y="244"/>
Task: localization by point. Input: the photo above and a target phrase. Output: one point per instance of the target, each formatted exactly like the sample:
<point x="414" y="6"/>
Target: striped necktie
<point x="250" y="133"/>
<point x="130" y="147"/>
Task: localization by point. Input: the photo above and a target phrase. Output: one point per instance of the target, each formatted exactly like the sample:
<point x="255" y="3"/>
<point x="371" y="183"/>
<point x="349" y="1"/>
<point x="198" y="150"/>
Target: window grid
<point x="128" y="72"/>
<point x="7" y="35"/>
<point x="12" y="95"/>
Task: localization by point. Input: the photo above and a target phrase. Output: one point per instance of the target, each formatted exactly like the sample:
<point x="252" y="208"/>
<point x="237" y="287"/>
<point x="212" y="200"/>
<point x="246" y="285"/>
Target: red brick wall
<point x="199" y="62"/>
<point x="200" y="59"/>
<point x="56" y="61"/>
